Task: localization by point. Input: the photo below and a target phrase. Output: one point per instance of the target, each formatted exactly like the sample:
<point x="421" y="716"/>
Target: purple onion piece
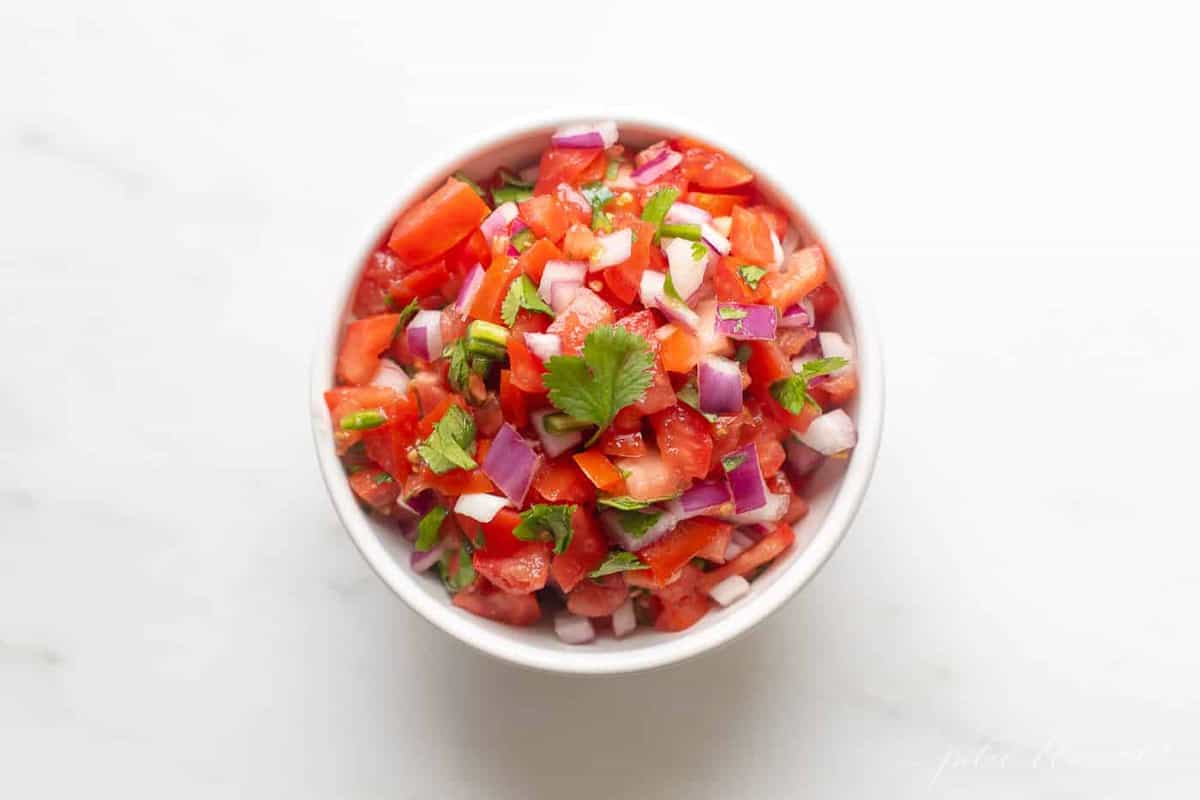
<point x="600" y="134"/>
<point x="424" y="335"/>
<point x="745" y="321"/>
<point x="470" y="287"/>
<point x="511" y="463"/>
<point x="720" y="385"/>
<point x="745" y="479"/>
<point x="799" y="315"/>
<point x="802" y="460"/>
<point x="656" y="167"/>
<point x="422" y="561"/>
<point x="704" y="495"/>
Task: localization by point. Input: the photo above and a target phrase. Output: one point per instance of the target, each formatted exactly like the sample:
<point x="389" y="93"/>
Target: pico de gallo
<point x="594" y="386"/>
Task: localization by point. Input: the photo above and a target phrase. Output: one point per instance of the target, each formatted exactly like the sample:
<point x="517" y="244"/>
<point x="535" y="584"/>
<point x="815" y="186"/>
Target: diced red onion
<point x="776" y="249"/>
<point x="470" y="288"/>
<point x="665" y="523"/>
<point x="419" y="503"/>
<point x="572" y="195"/>
<point x="425" y="335"/>
<point x="516" y="227"/>
<point x="557" y="270"/>
<point x="720" y="385"/>
<point x="651" y="288"/>
<point x="514" y="252"/>
<point x="831" y="433"/>
<point x="530" y="173"/>
<point x="799" y="315"/>
<point x="772" y="510"/>
<point x="648" y="154"/>
<point x="599" y="134"/>
<point x="802" y="460"/>
<point x="420" y="562"/>
<point x="573" y="629"/>
<point x="479" y="506"/>
<point x="553" y="444"/>
<point x="711" y="340"/>
<point x="704" y="495"/>
<point x="612" y="249"/>
<point x="544" y="345"/>
<point x="511" y="463"/>
<point x="685" y="214"/>
<point x="624" y="620"/>
<point x="390" y="376"/>
<point x="753" y="321"/>
<point x="734" y="548"/>
<point x="498" y="221"/>
<point x="714" y="239"/>
<point x="656" y="167"/>
<point x="687" y="272"/>
<point x="562" y="294"/>
<point x="746" y="480"/>
<point x="732" y="588"/>
<point x="678" y="311"/>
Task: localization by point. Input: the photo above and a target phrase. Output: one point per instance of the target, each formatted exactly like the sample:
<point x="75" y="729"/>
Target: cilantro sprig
<point x="613" y="372"/>
<point x="617" y="561"/>
<point x="429" y="528"/>
<point x="522" y="294"/>
<point x="451" y="444"/>
<point x="542" y="519"/>
<point x="792" y="392"/>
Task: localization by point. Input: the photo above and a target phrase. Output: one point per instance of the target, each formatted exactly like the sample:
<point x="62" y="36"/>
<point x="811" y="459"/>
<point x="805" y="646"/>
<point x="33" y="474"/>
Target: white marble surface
<point x="1013" y="614"/>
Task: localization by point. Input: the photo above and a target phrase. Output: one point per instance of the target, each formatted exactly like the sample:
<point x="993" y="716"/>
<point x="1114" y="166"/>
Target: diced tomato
<point x="731" y="286"/>
<point x="680" y="351"/>
<point x="488" y="415"/>
<point x="712" y="169"/>
<point x="628" y="420"/>
<point x="530" y="322"/>
<point x="649" y="477"/>
<point x="628" y="445"/>
<point x="381" y="271"/>
<point x="344" y="400"/>
<point x="523" y="571"/>
<point x="660" y="395"/>
<point x="472" y="250"/>
<point x="640" y="579"/>
<point x="376" y="488"/>
<point x="776" y="219"/>
<point x="684" y="440"/>
<point x="562" y="481"/>
<point x="750" y="236"/>
<point x="683" y="605"/>
<point x="585" y="312"/>
<point x="802" y="272"/>
<point x="388" y="444"/>
<point x="564" y="165"/>
<point x="598" y="469"/>
<point x="546" y="216"/>
<point x="835" y="390"/>
<point x="760" y="553"/>
<point x="825" y="299"/>
<point x="726" y="433"/>
<point x="579" y="243"/>
<point x="714" y="551"/>
<point x="490" y="297"/>
<point x="437" y="223"/>
<point x="719" y="205"/>
<point x="498" y="534"/>
<point x="485" y="600"/>
<point x="598" y="598"/>
<point x="512" y="401"/>
<point x="418" y="284"/>
<point x="365" y="339"/>
<point x="452" y="483"/>
<point x="624" y="279"/>
<point x="792" y="341"/>
<point x="768" y="364"/>
<point x="434" y="415"/>
<point x="429" y="390"/>
<point x="527" y="369"/>
<point x="771" y="454"/>
<point x="587" y="549"/>
<point x="670" y="553"/>
<point x="533" y="261"/>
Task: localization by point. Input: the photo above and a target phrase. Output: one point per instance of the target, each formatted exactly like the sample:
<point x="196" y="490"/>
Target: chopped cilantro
<point x="617" y="561"/>
<point x="459" y="367"/>
<point x="598" y="195"/>
<point x="699" y="251"/>
<point x="743" y="354"/>
<point x="522" y="240"/>
<point x="461" y="575"/>
<point x="429" y="527"/>
<point x="451" y="443"/>
<point x="542" y="518"/>
<point x="733" y="461"/>
<point x="522" y="294"/>
<point x="406" y="313"/>
<point x="658" y="205"/>
<point x="636" y="523"/>
<point x="381" y="477"/>
<point x="751" y="274"/>
<point x="731" y="312"/>
<point x="792" y="392"/>
<point x="511" y="192"/>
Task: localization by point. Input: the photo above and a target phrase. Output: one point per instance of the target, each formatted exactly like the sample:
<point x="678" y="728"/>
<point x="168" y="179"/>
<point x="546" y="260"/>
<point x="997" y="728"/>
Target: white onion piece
<point x="554" y="444"/>
<point x="563" y="294"/>
<point x="557" y="270"/>
<point x="391" y="376"/>
<point x="651" y="288"/>
<point x="776" y="249"/>
<point x="665" y="523"/>
<point x="678" y="311"/>
<point x="624" y="620"/>
<point x="572" y="195"/>
<point x="573" y="629"/>
<point x="715" y="239"/>
<point x="612" y="249"/>
<point x="544" y="345"/>
<point x="732" y="588"/>
<point x="685" y="214"/>
<point x="723" y="225"/>
<point x="597" y="134"/>
<point x="687" y="272"/>
<point x="834" y="346"/>
<point x="831" y="433"/>
<point x="424" y="334"/>
<point x="480" y="507"/>
<point x="498" y="221"/>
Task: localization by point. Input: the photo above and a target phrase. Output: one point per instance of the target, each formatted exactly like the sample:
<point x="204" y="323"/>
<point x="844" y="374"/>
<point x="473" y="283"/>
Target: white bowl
<point x="835" y="493"/>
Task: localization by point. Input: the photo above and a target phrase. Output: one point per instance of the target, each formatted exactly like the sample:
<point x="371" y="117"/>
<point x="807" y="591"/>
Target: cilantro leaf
<point x="522" y="294"/>
<point x="733" y="461"/>
<point x="730" y="312"/>
<point x="542" y="518"/>
<point x="463" y="574"/>
<point x="429" y="527"/>
<point x="459" y="368"/>
<point x="451" y="443"/>
<point x="792" y="392"/>
<point x="597" y="194"/>
<point x="619" y="561"/>
<point x="613" y="372"/>
<point x="622" y="503"/>
<point x="699" y="251"/>
<point x="636" y="523"/>
<point x="751" y="274"/>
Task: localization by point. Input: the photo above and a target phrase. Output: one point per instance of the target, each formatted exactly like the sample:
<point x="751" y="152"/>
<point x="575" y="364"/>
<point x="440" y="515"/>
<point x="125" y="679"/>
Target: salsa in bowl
<point x="590" y="382"/>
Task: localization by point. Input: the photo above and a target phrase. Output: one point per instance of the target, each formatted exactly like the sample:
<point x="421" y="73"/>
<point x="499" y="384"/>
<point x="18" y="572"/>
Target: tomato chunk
<point x="562" y="481"/>
<point x="670" y="553"/>
<point x="365" y="340"/>
<point x="524" y="570"/>
<point x="533" y="261"/>
<point x="713" y="169"/>
<point x="485" y="600"/>
<point x="587" y="549"/>
<point x="802" y="272"/>
<point x="750" y="237"/>
<point x="546" y="216"/>
<point x="684" y="440"/>
<point x="437" y="223"/>
<point x="565" y="165"/>
<point x="598" y="598"/>
<point x="598" y="469"/>
<point x="490" y="297"/>
<point x="763" y="551"/>
<point x="376" y="488"/>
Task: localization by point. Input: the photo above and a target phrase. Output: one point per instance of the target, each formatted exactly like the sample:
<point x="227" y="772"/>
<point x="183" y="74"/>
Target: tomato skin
<point x="684" y="440"/>
<point x="545" y="216"/>
<point x="524" y="570"/>
<point x="760" y="553"/>
<point x="598" y="598"/>
<point x="588" y="548"/>
<point x="498" y="534"/>
<point x="729" y="285"/>
<point x="771" y="454"/>
<point x="437" y="223"/>
<point x="452" y="483"/>
<point x="710" y="168"/>
<point x="836" y="390"/>
<point x="527" y="369"/>
<point x="512" y="401"/>
<point x="714" y="551"/>
<point x="485" y="600"/>
<point x="365" y="339"/>
<point x="490" y="297"/>
<point x="792" y="341"/>
<point x="419" y="284"/>
<point x="376" y="488"/>
<point x="472" y="250"/>
<point x="562" y="481"/>
<point x="533" y="261"/>
<point x="750" y="236"/>
<point x="564" y="165"/>
<point x="719" y="205"/>
<point x="802" y="273"/>
<point x="379" y="273"/>
<point x="670" y="553"/>
<point x="627" y="445"/>
<point x="625" y="278"/>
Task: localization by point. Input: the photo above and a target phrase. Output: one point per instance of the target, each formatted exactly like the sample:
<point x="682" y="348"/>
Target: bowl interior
<point x="834" y="491"/>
